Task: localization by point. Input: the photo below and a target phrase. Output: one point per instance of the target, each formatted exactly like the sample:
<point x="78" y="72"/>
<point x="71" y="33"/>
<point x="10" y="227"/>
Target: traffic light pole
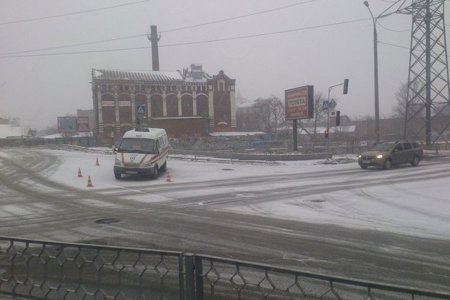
<point x="345" y="84"/>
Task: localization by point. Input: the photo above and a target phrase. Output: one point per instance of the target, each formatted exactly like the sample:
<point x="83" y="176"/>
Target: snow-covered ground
<point x="415" y="207"/>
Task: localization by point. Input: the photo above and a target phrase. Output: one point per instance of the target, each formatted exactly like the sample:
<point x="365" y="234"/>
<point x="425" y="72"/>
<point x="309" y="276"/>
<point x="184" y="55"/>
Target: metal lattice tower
<point x="427" y="110"/>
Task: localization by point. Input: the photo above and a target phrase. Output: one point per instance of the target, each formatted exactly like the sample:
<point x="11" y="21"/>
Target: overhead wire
<point x="193" y="42"/>
<point x="238" y="17"/>
<point x="393" y="30"/>
<point x="397" y="46"/>
<point x="74" y="45"/>
<point x="72" y="13"/>
<point x="393" y="45"/>
<point x="164" y="31"/>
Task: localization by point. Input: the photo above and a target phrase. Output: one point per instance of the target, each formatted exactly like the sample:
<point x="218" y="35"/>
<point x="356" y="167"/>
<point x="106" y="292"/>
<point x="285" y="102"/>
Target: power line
<point x="75" y="44"/>
<point x="194" y="42"/>
<point x="239" y="17"/>
<point x="72" y="13"/>
<point x="397" y="46"/>
<point x="266" y="33"/>
<point x="165" y="31"/>
<point x="393" y="45"/>
<point x="393" y="30"/>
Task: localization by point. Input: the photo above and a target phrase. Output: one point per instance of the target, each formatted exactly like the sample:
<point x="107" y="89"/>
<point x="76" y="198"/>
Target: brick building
<point x="188" y="103"/>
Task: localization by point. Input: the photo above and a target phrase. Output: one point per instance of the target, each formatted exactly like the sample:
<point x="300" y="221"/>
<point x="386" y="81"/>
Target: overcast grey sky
<point x="39" y="88"/>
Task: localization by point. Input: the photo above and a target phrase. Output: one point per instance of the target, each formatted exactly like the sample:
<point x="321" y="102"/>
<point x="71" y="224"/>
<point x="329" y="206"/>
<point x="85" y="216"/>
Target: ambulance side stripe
<point x="158" y="157"/>
<point x="142" y="160"/>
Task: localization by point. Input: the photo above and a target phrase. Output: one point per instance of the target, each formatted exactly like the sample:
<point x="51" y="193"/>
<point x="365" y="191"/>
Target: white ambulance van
<point x="142" y="151"/>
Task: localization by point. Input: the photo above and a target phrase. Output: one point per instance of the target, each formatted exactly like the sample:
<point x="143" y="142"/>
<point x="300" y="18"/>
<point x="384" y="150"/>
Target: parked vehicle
<point x="387" y="154"/>
<point x="142" y="151"/>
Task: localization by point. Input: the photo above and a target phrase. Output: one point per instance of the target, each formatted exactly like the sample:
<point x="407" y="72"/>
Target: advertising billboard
<point x="67" y="124"/>
<point x="299" y="103"/>
<point x="83" y="124"/>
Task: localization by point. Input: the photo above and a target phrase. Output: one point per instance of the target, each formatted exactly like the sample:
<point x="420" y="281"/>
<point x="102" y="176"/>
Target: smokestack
<point x="154" y="38"/>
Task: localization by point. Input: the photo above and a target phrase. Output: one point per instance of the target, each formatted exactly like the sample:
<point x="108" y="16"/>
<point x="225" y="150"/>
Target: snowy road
<point x="390" y="226"/>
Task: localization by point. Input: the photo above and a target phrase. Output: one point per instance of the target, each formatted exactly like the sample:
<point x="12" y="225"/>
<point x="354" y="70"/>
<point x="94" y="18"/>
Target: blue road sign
<point x="140" y="109"/>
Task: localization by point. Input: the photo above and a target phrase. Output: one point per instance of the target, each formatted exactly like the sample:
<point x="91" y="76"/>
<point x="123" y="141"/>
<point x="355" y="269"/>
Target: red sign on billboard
<point x="83" y="124"/>
<point x="299" y="103"/>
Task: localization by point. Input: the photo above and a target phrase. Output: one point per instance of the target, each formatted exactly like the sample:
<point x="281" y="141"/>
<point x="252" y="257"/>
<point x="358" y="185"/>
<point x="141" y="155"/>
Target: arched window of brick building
<point x="125" y="108"/>
<point x="202" y="106"/>
<point x="157" y="106"/>
<point x="141" y="100"/>
<point x="172" y="105"/>
<point x="108" y="109"/>
<point x="187" y="108"/>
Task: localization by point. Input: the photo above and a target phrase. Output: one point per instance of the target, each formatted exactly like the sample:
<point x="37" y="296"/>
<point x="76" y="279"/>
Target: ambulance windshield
<point x="137" y="145"/>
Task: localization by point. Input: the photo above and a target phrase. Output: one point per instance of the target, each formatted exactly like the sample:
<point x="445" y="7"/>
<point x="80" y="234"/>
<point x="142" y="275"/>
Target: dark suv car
<point x="387" y="154"/>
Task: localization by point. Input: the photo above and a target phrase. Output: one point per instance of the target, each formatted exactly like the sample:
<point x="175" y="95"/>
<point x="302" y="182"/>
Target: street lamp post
<point x="375" y="63"/>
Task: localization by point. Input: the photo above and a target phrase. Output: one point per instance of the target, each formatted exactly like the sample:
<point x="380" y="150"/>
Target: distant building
<point x="187" y="103"/>
<point x="8" y="130"/>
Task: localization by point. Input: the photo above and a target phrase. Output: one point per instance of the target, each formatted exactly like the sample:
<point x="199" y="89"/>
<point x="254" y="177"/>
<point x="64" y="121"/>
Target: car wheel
<point x="118" y="175"/>
<point x="387" y="164"/>
<point x="363" y="167"/>
<point x="164" y="167"/>
<point x="415" y="161"/>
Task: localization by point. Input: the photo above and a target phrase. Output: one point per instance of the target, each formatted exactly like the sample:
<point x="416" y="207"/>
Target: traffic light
<point x="326" y="133"/>
<point x="345" y="86"/>
<point x="338" y="118"/>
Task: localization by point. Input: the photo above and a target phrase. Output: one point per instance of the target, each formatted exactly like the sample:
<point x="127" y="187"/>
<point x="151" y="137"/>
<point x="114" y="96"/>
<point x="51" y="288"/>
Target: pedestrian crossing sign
<point x="140" y="109"/>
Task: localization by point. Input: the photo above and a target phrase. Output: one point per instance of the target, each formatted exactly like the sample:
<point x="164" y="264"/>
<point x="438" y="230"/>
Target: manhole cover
<point x="107" y="221"/>
<point x="227" y="169"/>
<point x="317" y="201"/>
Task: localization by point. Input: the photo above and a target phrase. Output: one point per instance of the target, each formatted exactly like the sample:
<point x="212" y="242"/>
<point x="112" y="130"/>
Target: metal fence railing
<point x="219" y="278"/>
<point x="49" y="270"/>
<point x="87" y="141"/>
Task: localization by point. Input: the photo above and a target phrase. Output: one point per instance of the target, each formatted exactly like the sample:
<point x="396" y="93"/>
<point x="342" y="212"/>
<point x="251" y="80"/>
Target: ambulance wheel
<point x="155" y="172"/>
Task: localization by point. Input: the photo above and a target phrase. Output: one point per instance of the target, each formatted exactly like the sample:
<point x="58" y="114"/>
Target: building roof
<point x="155" y="76"/>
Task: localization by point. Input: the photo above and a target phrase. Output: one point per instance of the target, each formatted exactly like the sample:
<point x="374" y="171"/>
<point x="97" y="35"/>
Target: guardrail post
<point x="198" y="263"/>
<point x="190" y="275"/>
<point x="181" y="276"/>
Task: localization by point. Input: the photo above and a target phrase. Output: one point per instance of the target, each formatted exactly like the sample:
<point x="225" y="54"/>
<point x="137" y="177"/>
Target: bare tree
<point x="319" y="113"/>
<point x="399" y="110"/>
<point x="270" y="113"/>
<point x="266" y="114"/>
<point x="278" y="113"/>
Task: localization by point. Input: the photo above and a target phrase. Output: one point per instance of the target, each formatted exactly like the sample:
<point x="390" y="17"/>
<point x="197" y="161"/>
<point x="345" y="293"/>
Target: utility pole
<point x="428" y="99"/>
<point x="154" y="38"/>
<point x="375" y="77"/>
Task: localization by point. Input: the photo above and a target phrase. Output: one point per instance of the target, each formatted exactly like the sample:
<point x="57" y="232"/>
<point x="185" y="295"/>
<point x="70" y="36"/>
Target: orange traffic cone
<point x="168" y="178"/>
<point x="89" y="184"/>
<point x="96" y="162"/>
<point x="79" y="173"/>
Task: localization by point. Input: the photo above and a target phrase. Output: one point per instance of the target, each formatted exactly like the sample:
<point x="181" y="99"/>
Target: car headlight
<point x="118" y="162"/>
<point x="359" y="156"/>
<point x="380" y="156"/>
